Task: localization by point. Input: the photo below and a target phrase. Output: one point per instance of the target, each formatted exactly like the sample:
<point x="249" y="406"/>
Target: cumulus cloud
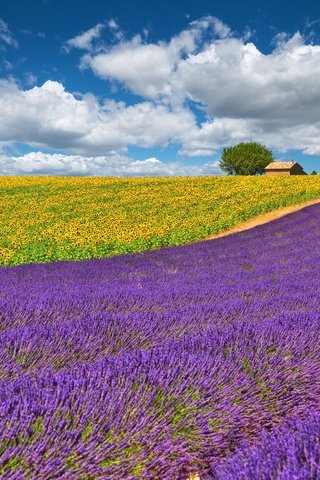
<point x="84" y="40"/>
<point x="270" y="98"/>
<point x="220" y="29"/>
<point x="146" y="68"/>
<point x="236" y="80"/>
<point x="247" y="94"/>
<point x="39" y="163"/>
<point x="6" y="36"/>
<point x="52" y="117"/>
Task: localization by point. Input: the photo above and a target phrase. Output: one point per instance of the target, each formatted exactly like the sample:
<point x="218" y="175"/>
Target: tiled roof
<point x="280" y="165"/>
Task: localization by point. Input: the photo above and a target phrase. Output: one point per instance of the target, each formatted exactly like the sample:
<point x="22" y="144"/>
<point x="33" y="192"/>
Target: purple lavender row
<point x="162" y="412"/>
<point x="289" y="453"/>
<point x="155" y="365"/>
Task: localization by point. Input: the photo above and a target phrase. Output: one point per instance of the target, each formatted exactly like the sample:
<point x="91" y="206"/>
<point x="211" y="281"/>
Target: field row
<point x="156" y="365"/>
<point x="43" y="219"/>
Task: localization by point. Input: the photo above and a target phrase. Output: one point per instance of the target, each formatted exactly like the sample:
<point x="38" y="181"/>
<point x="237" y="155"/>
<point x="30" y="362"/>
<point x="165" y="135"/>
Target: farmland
<point x="43" y="219"/>
<point x="159" y="364"/>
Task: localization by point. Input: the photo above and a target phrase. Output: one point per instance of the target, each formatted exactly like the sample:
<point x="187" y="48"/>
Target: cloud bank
<point x="39" y="163"/>
<point x="49" y="116"/>
<point x="243" y="94"/>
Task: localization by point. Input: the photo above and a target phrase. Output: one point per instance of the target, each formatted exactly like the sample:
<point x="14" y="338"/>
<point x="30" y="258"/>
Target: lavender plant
<point x="292" y="452"/>
<point x="155" y="365"/>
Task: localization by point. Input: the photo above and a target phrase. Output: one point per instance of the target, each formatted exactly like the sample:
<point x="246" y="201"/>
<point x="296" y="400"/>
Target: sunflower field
<point x="43" y="219"/>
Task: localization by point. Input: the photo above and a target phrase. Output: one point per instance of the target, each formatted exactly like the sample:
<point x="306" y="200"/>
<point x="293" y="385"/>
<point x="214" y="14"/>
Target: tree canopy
<point x="248" y="158"/>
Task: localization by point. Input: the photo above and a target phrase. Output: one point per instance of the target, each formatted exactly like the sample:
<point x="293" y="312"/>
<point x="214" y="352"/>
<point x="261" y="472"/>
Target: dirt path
<point x="264" y="218"/>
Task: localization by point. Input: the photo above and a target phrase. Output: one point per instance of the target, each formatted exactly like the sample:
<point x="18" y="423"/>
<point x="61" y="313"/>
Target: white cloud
<point x="272" y="98"/>
<point x="84" y="40"/>
<point x="115" y="29"/>
<point x="39" y="163"/>
<point x="146" y="68"/>
<point x="113" y="24"/>
<point x="220" y="29"/>
<point x="6" y="36"/>
<point x="236" y="80"/>
<point x="46" y="115"/>
<point x="246" y="95"/>
<point x="214" y="134"/>
<point x="52" y="117"/>
<point x="30" y="79"/>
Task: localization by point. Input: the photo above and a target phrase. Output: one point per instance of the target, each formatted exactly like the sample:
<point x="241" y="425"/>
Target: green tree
<point x="313" y="172"/>
<point x="248" y="158"/>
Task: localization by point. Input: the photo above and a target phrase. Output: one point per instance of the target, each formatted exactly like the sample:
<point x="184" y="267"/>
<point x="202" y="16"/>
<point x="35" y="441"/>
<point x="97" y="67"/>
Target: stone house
<point x="284" y="168"/>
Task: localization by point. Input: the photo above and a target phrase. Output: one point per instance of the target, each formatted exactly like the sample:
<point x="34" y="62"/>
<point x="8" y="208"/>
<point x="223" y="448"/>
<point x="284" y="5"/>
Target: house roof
<point x="281" y="165"/>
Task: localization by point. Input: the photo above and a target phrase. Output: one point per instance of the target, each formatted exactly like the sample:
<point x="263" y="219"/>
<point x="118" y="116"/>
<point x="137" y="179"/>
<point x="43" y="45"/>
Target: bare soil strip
<point x="264" y="218"/>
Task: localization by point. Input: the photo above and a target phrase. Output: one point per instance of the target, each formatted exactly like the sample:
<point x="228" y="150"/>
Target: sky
<point x="136" y="88"/>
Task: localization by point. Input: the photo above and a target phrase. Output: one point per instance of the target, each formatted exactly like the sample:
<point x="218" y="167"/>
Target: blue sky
<point x="155" y="88"/>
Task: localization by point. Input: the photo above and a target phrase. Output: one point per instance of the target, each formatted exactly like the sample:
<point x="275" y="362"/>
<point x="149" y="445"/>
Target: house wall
<point x="297" y="170"/>
<point x="277" y="172"/>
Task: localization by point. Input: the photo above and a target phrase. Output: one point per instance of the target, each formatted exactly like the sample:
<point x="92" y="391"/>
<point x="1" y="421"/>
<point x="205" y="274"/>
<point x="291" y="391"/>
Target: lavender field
<point x="196" y="359"/>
